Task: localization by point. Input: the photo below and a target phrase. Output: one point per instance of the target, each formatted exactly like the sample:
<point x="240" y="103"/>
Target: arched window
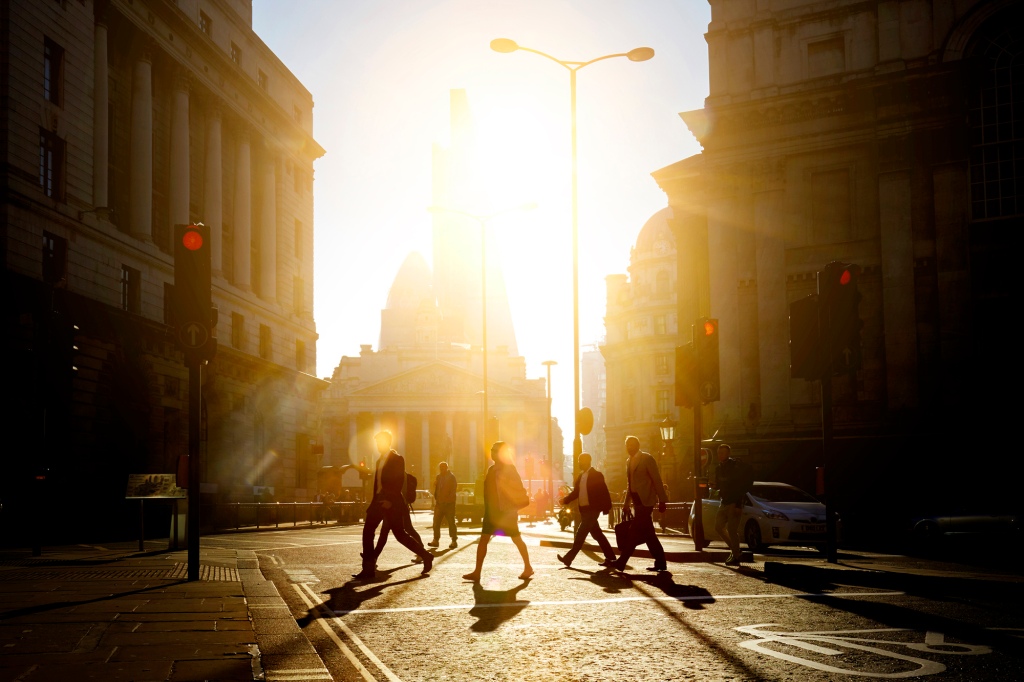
<point x="996" y="118"/>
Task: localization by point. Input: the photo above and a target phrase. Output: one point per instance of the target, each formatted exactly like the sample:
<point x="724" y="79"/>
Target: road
<point x="697" y="621"/>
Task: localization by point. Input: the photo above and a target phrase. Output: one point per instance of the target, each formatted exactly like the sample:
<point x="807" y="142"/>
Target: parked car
<point x="773" y="514"/>
<point x="965" y="525"/>
<point x="424" y="500"/>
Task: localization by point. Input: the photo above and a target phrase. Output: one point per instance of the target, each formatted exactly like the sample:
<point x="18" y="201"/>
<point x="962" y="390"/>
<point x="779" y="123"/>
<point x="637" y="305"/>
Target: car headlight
<point x="775" y="515"/>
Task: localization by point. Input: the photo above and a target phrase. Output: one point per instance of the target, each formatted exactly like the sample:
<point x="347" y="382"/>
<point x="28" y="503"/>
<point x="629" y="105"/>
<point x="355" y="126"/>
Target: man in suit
<point x="444" y="505"/>
<point x="594" y="499"/>
<point x="645" y="490"/>
<point x="388" y="504"/>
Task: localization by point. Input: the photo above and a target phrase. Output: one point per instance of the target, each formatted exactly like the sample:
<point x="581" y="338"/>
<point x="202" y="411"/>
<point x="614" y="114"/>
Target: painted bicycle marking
<point x="834" y="642"/>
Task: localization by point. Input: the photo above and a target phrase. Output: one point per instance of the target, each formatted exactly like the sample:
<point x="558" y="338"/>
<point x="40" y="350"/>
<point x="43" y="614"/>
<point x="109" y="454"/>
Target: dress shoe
<point x="619" y="565"/>
<point x="455" y="543"/>
<point x="433" y="543"/>
<point x="416" y="559"/>
<point x="365" y="574"/>
<point x="657" y="569"/>
<point x="428" y="562"/>
<point x="567" y="562"/>
<point x="608" y="563"/>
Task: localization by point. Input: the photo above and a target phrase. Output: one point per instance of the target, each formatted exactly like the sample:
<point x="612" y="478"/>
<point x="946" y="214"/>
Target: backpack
<point x="410" y="488"/>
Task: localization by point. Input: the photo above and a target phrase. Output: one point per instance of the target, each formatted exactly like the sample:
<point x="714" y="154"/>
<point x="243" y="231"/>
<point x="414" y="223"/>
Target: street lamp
<point x="551" y="464"/>
<point x="483" y="220"/>
<point x="668" y="432"/>
<point x="639" y="54"/>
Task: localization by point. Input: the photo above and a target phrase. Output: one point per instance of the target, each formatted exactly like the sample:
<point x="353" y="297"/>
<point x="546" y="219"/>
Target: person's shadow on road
<point x="347" y="598"/>
<point x="691" y="596"/>
<point x="494" y="607"/>
<point x="605" y="579"/>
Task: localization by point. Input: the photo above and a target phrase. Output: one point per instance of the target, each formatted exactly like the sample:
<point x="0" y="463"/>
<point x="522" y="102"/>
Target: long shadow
<point x="494" y="607"/>
<point x="40" y="608"/>
<point x="608" y="581"/>
<point x="347" y="598"/>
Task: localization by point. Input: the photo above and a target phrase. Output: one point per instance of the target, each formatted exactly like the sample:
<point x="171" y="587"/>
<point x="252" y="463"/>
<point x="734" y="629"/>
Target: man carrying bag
<point x="594" y="500"/>
<point x="645" y="489"/>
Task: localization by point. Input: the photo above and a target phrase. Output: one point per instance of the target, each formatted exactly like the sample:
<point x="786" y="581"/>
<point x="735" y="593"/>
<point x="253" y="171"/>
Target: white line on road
<point x="351" y="635"/>
<point x="617" y="600"/>
<point x="337" y="640"/>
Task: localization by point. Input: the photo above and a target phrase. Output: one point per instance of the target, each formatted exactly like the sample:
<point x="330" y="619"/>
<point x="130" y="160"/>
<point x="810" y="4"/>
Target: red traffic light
<point x="846" y="277"/>
<point x="709" y="328"/>
<point x="192" y="240"/>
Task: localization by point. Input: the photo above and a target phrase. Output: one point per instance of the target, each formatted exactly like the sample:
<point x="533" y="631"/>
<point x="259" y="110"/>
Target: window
<point x="51" y="164"/>
<point x="661" y="400"/>
<point x="169" y="304"/>
<point x="261" y="78"/>
<point x="661" y="363"/>
<point x="629" y="404"/>
<point x="172" y="387"/>
<point x="53" y="71"/>
<point x="659" y="324"/>
<point x="826" y="57"/>
<point x="302" y="460"/>
<point x="236" y="54"/>
<point x="131" y="289"/>
<point x="204" y="22"/>
<point x="300" y="355"/>
<point x="830" y="207"/>
<point x="265" y="342"/>
<point x="55" y="259"/>
<point x="298" y="239"/>
<point x="299" y="294"/>
<point x="237" y="331"/>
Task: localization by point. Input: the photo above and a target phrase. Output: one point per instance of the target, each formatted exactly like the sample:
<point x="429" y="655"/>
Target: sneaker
<point x="433" y="543"/>
<point x="455" y="543"/>
<point x="428" y="562"/>
<point x="732" y="560"/>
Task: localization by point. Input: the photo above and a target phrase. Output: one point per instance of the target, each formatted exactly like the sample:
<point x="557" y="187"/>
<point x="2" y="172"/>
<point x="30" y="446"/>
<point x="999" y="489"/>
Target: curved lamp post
<point x="483" y="220"/>
<point x="639" y="54"/>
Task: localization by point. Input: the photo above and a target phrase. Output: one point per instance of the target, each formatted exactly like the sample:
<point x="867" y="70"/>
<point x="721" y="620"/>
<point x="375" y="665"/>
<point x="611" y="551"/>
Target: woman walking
<point x="504" y="496"/>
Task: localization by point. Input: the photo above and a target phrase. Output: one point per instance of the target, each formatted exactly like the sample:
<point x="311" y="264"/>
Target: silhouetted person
<point x="444" y="505"/>
<point x="503" y="493"/>
<point x="734" y="482"/>
<point x="645" y="490"/>
<point x="409" y="528"/>
<point x="388" y="504"/>
<point x="594" y="500"/>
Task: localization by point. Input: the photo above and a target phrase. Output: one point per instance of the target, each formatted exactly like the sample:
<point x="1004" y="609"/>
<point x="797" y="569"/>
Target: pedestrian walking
<point x="504" y="496"/>
<point x="407" y="524"/>
<point x="444" y="505"/>
<point x="734" y="481"/>
<point x="594" y="500"/>
<point x="388" y="504"/>
<point x="645" y="490"/>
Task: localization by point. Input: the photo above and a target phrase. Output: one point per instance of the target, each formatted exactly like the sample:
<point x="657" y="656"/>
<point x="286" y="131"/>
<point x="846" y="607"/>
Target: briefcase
<point x="622" y="529"/>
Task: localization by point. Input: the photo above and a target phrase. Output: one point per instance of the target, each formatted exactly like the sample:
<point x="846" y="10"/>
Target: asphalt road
<point x="697" y="621"/>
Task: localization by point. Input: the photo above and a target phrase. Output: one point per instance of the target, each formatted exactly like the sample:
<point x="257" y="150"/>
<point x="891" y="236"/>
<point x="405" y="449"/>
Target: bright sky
<point x="380" y="72"/>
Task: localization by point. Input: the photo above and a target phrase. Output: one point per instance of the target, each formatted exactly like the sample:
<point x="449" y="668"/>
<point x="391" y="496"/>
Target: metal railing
<point x="237" y="515"/>
<point x="677" y="515"/>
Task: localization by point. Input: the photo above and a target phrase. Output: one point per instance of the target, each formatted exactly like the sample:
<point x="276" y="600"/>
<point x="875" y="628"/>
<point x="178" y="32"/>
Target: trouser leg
<point x="733" y="526"/>
<point x="382" y="539"/>
<point x="586" y="522"/>
<point x="602" y="539"/>
<point x="374" y="517"/>
<point x="410" y="529"/>
<point x="398" y="529"/>
<point x="453" y="528"/>
<point x="438" y="518"/>
<point x="645" y="533"/>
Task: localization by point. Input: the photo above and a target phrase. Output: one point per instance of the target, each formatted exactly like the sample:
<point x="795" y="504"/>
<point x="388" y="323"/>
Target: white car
<point x="773" y="514"/>
<point x="424" y="500"/>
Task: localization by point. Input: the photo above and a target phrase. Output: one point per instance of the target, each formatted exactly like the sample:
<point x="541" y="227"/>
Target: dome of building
<point x="656" y="231"/>
<point x="413" y="287"/>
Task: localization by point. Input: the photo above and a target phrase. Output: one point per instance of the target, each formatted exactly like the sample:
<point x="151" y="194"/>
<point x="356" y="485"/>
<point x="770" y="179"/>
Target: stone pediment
<point x="436" y="379"/>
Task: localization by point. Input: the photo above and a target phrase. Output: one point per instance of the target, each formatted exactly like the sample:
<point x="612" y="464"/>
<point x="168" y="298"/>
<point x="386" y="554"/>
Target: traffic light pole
<point x="698" y="436"/>
<point x="195" y="404"/>
<point x="828" y="458"/>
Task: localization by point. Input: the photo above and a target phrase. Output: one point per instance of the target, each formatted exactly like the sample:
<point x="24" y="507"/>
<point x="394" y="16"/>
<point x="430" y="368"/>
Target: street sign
<point x="193" y="335"/>
<point x="586" y="421"/>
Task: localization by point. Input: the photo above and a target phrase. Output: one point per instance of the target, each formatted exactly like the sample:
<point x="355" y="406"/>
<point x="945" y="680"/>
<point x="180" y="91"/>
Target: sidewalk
<point x="110" y="613"/>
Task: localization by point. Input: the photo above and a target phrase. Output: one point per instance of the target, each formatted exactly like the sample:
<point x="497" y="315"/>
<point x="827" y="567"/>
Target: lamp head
<point x="639" y="54"/>
<point x="506" y="45"/>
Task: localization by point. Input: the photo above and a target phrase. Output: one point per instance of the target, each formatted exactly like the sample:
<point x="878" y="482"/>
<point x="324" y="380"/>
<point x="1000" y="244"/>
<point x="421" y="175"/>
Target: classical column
<point x="723" y="220"/>
<point x="425" y="441"/>
<point x="400" y="434"/>
<point x="141" y="176"/>
<point x="898" y="305"/>
<point x="100" y="120"/>
<point x="213" y="191"/>
<point x="474" y="444"/>
<point x="772" y="306"/>
<point x="353" y="439"/>
<point x="178" y="190"/>
<point x="268" y="228"/>
<point x="242" y="246"/>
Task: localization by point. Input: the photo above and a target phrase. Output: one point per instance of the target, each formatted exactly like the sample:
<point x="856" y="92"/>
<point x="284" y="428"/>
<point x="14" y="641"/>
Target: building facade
<point x="641" y="334"/>
<point x="884" y="134"/>
<point x="120" y="120"/>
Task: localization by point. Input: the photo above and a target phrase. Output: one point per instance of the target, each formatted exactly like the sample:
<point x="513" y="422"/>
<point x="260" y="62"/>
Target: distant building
<point x="884" y="134"/>
<point x="594" y="394"/>
<point x="641" y="333"/>
<point x="120" y="120"/>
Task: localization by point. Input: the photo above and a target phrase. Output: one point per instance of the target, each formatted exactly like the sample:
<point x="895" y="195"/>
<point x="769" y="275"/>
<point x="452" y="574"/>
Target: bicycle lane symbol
<point x="832" y="643"/>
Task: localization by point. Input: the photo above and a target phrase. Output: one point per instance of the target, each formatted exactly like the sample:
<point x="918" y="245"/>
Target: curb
<point x="707" y="556"/>
<point x="781" y="572"/>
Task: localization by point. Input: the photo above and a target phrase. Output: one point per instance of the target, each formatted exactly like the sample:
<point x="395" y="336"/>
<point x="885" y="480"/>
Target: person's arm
<point x="659" y="487"/>
<point x="574" y="494"/>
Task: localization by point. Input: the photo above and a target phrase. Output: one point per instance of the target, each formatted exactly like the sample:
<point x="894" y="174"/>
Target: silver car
<point x="773" y="514"/>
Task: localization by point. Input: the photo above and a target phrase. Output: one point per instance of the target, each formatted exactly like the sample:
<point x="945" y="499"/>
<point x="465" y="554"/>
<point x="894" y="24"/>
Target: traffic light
<point x="686" y="376"/>
<point x="193" y="314"/>
<point x="838" y="288"/>
<point x="705" y="339"/>
<point x="805" y="358"/>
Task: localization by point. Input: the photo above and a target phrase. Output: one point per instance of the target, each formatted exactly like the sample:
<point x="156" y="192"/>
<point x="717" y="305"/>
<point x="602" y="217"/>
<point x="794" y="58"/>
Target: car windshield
<point x="780" y="493"/>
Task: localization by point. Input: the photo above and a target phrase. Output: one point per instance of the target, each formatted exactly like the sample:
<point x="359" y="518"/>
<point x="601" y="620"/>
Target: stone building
<point x="885" y="134"/>
<point x="641" y="334"/>
<point x="121" y="119"/>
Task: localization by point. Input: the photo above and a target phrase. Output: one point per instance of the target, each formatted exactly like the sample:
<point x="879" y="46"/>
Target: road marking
<point x="843" y="639"/>
<point x="617" y="600"/>
<point x="337" y="640"/>
<point x="351" y="635"/>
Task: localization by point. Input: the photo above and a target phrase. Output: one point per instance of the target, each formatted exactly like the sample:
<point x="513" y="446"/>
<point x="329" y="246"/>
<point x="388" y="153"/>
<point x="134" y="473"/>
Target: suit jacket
<point x="445" y="488"/>
<point x="645" y="480"/>
<point x="597" y="492"/>
<point x="393" y="479"/>
<point x="502" y="488"/>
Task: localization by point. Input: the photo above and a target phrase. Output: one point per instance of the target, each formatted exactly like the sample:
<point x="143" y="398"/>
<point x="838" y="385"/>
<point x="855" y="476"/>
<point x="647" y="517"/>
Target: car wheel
<point x="752" y="535"/>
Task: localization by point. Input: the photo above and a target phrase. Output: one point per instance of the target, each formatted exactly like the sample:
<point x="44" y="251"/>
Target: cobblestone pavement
<point x="697" y="621"/>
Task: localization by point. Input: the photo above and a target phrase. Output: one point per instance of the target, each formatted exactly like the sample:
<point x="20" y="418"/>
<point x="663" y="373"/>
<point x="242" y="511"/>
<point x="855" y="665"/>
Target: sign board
<point x="154" y="486"/>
